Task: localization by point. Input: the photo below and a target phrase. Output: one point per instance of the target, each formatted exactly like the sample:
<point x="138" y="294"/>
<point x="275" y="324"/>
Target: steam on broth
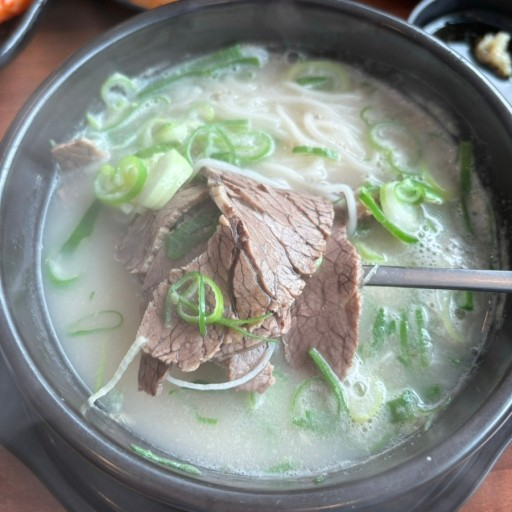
<point x="400" y="177"/>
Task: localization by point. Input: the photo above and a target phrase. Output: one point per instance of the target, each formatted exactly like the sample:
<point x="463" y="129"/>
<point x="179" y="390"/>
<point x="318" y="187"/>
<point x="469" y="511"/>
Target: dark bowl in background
<point x="461" y="23"/>
<point x="428" y="471"/>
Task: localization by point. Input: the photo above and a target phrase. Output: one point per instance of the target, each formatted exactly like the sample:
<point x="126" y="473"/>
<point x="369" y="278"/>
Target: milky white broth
<point x="242" y="432"/>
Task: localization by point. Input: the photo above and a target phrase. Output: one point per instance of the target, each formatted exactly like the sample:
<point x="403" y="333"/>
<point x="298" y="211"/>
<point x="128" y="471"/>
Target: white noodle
<point x="127" y="359"/>
<point x="301" y="139"/>
<point x="227" y="167"/>
<point x="265" y="358"/>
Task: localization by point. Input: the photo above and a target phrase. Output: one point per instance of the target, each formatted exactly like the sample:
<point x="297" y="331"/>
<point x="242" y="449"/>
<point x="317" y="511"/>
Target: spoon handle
<point x="439" y="278"/>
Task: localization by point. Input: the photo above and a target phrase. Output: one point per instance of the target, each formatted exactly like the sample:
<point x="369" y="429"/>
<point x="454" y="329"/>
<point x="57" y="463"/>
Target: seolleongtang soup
<point x="203" y="260"/>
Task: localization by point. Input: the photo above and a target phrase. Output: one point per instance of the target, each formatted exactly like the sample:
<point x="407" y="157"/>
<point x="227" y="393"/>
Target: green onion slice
<point x="322" y="75"/>
<point x="314" y="406"/>
<point x="231" y="59"/>
<point x="327" y="153"/>
<point x="120" y="184"/>
<point x="100" y="321"/>
<point x="83" y="229"/>
<point x="406" y="214"/>
<point x="366" y="197"/>
<point x="148" y="454"/>
<point x="187" y="297"/>
<point x="330" y="377"/>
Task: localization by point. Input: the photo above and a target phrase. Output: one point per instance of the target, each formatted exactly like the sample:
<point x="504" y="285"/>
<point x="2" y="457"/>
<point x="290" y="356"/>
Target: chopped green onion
<point x="148" y="454"/>
<point x="232" y="141"/>
<point x="409" y="191"/>
<point x="100" y="321"/>
<point x="206" y="419"/>
<point x="55" y="274"/>
<point x="424" y="343"/>
<point x="191" y="232"/>
<point x="119" y="185"/>
<point x="406" y="407"/>
<point x="383" y="327"/>
<point x="180" y="297"/>
<point x="83" y="230"/>
<point x="464" y="300"/>
<point x="231" y="58"/>
<point x="405" y="214"/>
<point x="167" y="174"/>
<point x="313" y="82"/>
<point x="210" y="141"/>
<point x="330" y="377"/>
<point x="367" y="199"/>
<point x="314" y="407"/>
<point x="367" y="254"/>
<point x="324" y="75"/>
<point x="327" y="153"/>
<point x="403" y="332"/>
<point x="118" y="90"/>
<point x="364" y="394"/>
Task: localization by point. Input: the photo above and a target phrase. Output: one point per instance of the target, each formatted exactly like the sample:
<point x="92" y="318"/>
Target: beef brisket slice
<point x="146" y="235"/>
<point x="326" y="315"/>
<point x="267" y="243"/>
<point x="279" y="236"/>
<point x="77" y="153"/>
<point x="242" y="363"/>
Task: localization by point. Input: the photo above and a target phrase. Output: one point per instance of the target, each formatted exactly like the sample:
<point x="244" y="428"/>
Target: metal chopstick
<point x="438" y="278"/>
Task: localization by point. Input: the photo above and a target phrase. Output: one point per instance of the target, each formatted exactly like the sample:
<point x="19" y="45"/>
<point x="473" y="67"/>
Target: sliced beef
<point x="267" y="243"/>
<point x="278" y="237"/>
<point x="326" y="315"/>
<point x="146" y="236"/>
<point x="242" y="363"/>
<point x="77" y="153"/>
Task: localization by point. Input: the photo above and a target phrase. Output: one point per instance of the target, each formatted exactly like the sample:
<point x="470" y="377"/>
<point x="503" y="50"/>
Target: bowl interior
<point x="411" y="61"/>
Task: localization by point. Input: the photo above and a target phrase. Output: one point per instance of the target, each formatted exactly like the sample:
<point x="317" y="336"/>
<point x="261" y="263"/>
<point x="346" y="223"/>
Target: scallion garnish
<point x="321" y="152"/>
<point x="148" y="454"/>
<point x="99" y="321"/>
<point x="367" y="199"/>
<point x="330" y="377"/>
<point x="83" y="230"/>
<point x="187" y="297"/>
<point x="122" y="183"/>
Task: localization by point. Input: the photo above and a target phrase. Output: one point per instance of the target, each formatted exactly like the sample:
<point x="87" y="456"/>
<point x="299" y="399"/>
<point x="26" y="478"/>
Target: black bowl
<point x="426" y="471"/>
<point x="461" y="23"/>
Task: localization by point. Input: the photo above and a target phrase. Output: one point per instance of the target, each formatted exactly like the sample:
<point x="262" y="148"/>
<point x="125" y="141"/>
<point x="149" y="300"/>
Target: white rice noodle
<point x="132" y="353"/>
<point x="265" y="358"/>
<point x="227" y="167"/>
<point x="301" y="139"/>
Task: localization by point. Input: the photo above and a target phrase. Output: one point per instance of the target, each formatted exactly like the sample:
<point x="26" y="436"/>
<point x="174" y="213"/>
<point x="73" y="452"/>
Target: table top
<point x="65" y="27"/>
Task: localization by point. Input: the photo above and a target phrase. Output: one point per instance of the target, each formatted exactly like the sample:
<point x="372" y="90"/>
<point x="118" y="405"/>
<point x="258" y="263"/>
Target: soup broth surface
<point x="416" y="347"/>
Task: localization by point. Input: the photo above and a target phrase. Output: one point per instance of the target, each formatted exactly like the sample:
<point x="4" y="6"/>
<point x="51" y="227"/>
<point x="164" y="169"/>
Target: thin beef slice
<point x="326" y="315"/>
<point x="268" y="241"/>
